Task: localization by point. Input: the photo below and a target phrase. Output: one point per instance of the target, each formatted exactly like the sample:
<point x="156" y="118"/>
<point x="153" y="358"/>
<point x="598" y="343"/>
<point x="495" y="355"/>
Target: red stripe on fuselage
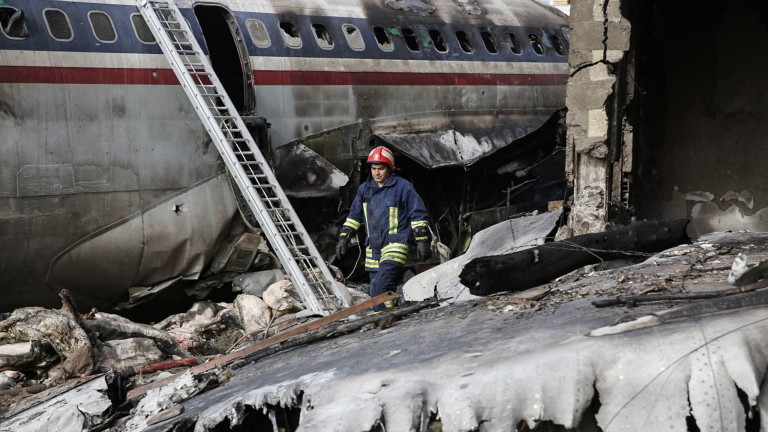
<point x="123" y="76"/>
<point x="83" y="75"/>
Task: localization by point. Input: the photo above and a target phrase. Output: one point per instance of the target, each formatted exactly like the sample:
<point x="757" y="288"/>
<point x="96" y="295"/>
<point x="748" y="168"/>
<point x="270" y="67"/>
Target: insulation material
<point x="283" y="298"/>
<point x="56" y="328"/>
<point x="252" y="312"/>
<point x="125" y="353"/>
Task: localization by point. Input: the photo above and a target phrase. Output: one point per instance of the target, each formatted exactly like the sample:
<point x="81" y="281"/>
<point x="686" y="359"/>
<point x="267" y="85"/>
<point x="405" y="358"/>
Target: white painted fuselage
<point x="109" y="181"/>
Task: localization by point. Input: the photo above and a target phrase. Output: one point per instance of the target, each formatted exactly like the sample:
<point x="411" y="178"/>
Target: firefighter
<point x="392" y="211"/>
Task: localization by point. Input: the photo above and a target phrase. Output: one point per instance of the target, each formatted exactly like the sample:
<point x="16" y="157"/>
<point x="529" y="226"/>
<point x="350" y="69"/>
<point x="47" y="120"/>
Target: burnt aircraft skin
<point x="109" y="181"/>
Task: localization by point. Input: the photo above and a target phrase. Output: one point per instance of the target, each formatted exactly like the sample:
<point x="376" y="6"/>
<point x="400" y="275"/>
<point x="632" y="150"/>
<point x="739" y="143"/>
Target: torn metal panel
<point x="495" y="374"/>
<point x="69" y="410"/>
<point x="462" y="141"/>
<point x="175" y="237"/>
<point x="139" y="295"/>
<point x="28" y="355"/>
<point x="478" y="367"/>
<point x="504" y="237"/>
<point x="304" y="173"/>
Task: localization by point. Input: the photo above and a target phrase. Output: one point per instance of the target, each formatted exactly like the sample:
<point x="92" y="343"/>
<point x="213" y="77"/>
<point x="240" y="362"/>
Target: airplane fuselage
<point x="107" y="178"/>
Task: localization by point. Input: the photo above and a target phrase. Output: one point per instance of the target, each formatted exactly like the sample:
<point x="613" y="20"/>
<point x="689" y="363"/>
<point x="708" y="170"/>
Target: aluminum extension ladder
<point x="246" y="164"/>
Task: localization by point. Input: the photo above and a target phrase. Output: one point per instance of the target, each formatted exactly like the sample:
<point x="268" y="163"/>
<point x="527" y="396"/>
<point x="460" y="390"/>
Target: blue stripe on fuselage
<point x="127" y="42"/>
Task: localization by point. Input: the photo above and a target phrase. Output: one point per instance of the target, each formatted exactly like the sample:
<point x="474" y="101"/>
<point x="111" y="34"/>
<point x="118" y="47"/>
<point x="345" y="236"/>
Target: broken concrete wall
<point x="666" y="118"/>
<point x="600" y="37"/>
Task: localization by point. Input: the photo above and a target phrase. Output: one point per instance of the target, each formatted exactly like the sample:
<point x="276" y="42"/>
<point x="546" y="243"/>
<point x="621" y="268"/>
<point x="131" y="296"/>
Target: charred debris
<point x="420" y="366"/>
<point x="463" y="195"/>
<point x="145" y="372"/>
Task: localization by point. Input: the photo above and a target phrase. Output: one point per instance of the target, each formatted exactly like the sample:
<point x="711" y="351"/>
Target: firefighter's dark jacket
<point x="390" y="213"/>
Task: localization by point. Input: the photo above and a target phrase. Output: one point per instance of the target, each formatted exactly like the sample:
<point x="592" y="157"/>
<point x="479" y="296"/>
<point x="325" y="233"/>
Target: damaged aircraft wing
<point x="497" y="364"/>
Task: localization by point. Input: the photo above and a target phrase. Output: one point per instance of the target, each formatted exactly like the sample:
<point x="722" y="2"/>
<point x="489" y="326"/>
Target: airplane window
<point x="12" y="22"/>
<point x="464" y="42"/>
<point x="141" y="29"/>
<point x="323" y="37"/>
<point x="258" y="33"/>
<point x="536" y="43"/>
<point x="410" y="38"/>
<point x="514" y="45"/>
<point x="354" y="38"/>
<point x="290" y="33"/>
<point x="102" y="27"/>
<point x="182" y="37"/>
<point x="438" y="41"/>
<point x="382" y="37"/>
<point x="58" y="24"/>
<point x="490" y="43"/>
<point x="557" y="44"/>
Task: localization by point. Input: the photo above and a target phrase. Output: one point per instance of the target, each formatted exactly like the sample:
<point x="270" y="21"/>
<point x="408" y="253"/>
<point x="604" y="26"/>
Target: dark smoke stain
<point x="421" y="7"/>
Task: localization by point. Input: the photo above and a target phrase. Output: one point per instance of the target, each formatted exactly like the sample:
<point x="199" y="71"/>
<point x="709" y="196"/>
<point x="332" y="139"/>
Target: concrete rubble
<point x="680" y="342"/>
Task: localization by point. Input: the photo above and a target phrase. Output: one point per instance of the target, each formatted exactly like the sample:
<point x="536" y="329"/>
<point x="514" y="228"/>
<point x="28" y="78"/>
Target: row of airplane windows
<point x="59" y="28"/>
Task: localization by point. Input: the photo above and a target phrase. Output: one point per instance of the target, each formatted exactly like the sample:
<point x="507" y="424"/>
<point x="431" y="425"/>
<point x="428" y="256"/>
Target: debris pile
<point x="42" y="348"/>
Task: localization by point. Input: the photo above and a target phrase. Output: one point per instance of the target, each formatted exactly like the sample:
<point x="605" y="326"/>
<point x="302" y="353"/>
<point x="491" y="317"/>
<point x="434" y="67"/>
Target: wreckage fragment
<point x="504" y="237"/>
<point x="717" y="304"/>
<point x="202" y="316"/>
<point x="283" y="298"/>
<point x="252" y="312"/>
<point x="532" y="267"/>
<point x="125" y="353"/>
<point x="58" y="330"/>
<point x="29" y="355"/>
<point x="113" y="327"/>
<point x="9" y="379"/>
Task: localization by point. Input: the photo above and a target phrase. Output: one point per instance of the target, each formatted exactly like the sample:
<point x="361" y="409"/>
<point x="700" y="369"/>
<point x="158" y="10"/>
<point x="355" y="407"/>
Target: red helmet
<point x="382" y="155"/>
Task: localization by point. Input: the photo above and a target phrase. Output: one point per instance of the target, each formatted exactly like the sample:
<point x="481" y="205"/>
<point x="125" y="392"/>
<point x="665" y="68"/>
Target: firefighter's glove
<point x="341" y="246"/>
<point x="423" y="243"/>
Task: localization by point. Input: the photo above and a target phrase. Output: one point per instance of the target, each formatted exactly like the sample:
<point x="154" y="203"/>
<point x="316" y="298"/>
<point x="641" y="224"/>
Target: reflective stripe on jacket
<point x="390" y="213"/>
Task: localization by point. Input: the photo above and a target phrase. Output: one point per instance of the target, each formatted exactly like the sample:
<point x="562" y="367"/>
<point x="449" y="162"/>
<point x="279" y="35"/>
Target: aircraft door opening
<point x="228" y="55"/>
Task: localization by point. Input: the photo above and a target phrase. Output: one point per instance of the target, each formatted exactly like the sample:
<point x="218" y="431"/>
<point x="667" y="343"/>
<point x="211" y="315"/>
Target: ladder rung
<point x="286" y="233"/>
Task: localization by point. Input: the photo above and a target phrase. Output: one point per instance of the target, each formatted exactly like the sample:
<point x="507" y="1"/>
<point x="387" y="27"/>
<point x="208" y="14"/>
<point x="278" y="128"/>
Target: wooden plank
<point x="312" y="325"/>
